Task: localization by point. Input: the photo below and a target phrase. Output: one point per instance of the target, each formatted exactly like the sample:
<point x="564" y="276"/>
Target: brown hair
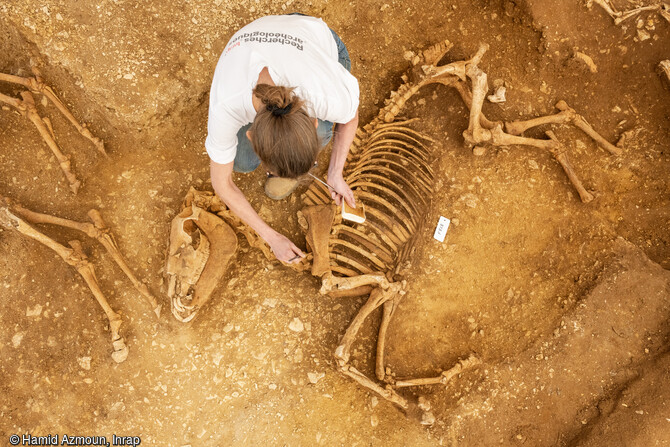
<point x="283" y="134"/>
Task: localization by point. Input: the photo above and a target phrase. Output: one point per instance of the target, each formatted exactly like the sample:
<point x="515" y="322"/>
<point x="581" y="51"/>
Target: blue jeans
<point x="246" y="159"/>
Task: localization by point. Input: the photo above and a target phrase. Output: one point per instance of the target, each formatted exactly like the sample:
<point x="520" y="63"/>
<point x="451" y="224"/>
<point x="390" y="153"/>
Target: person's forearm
<point x="238" y="204"/>
<point x="342" y="139"/>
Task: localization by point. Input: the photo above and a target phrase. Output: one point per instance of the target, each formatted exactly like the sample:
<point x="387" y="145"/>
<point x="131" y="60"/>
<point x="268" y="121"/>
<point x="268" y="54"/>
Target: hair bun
<point x="279" y="111"/>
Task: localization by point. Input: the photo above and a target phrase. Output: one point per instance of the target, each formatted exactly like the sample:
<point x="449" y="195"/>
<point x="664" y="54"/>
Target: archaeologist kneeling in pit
<point x="289" y="77"/>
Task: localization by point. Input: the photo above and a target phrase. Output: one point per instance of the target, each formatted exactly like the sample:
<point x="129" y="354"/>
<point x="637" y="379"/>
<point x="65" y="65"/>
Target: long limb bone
<point x="387" y="393"/>
<point x="475" y="133"/>
<point x="99" y="231"/>
<point x="580" y="122"/>
<point x="560" y="153"/>
<point x="27" y="108"/>
<point x="37" y="85"/>
<point x="332" y="283"/>
<point x="633" y="12"/>
<point x="566" y="115"/>
<point x="377" y="298"/>
<point x="444" y="377"/>
<point x="76" y="258"/>
<point x="387" y="313"/>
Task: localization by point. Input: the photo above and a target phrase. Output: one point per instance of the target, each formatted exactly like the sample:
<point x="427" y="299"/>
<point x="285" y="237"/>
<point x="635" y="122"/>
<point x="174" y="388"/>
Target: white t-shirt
<point x="299" y="52"/>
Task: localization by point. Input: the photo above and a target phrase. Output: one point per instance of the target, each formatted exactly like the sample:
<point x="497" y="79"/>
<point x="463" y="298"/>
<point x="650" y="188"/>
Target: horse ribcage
<point x="388" y="169"/>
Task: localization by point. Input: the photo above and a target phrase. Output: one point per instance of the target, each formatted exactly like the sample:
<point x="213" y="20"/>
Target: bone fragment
<point x="607" y="6"/>
<point x="586" y="59"/>
<point x="75" y="257"/>
<point x="633" y="12"/>
<point x="498" y="97"/>
<point x="443" y="378"/>
<point x="665" y="11"/>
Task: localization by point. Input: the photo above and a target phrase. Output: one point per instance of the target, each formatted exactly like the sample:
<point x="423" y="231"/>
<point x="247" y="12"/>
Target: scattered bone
<point x="585" y="58"/>
<point x="427" y="418"/>
<point x="627" y="136"/>
<point x="499" y="95"/>
<point x="643" y="35"/>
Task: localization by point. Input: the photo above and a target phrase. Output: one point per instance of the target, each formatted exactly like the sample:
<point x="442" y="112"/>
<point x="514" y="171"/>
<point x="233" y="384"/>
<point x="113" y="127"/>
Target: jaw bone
<point x="201" y="247"/>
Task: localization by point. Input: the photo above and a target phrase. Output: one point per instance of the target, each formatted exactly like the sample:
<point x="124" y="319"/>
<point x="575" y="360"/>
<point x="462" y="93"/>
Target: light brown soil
<point x="514" y="266"/>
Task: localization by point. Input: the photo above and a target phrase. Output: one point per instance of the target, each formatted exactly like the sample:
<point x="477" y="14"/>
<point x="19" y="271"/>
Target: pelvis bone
<point x="201" y="247"/>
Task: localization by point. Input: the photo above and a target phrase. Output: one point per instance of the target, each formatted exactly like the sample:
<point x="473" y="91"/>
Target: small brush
<point x="354" y="214"/>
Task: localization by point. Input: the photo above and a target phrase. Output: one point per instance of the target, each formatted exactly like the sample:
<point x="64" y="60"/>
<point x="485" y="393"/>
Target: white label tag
<point x="442" y="227"/>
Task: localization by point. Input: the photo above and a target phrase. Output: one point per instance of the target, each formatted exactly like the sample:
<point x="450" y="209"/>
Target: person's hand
<point x="285" y="250"/>
<point x="343" y="190"/>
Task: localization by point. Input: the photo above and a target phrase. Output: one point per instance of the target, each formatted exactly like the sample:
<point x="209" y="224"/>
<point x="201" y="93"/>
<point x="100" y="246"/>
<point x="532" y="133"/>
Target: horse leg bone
<point x="37" y="85"/>
<point x="608" y="7"/>
<point x="582" y="124"/>
<point x="378" y="297"/>
<point x="98" y="231"/>
<point x="560" y="153"/>
<point x="104" y="236"/>
<point x="466" y="96"/>
<point x="443" y="378"/>
<point x="30" y="111"/>
<point x="500" y="138"/>
<point x="387" y="313"/>
<point x="387" y="393"/>
<point x="458" y="68"/>
<point x="85" y="269"/>
<point x="74" y="257"/>
<point x="27" y="108"/>
<point x="633" y="12"/>
<point x="519" y="127"/>
<point x="475" y="133"/>
<point x="330" y="282"/>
